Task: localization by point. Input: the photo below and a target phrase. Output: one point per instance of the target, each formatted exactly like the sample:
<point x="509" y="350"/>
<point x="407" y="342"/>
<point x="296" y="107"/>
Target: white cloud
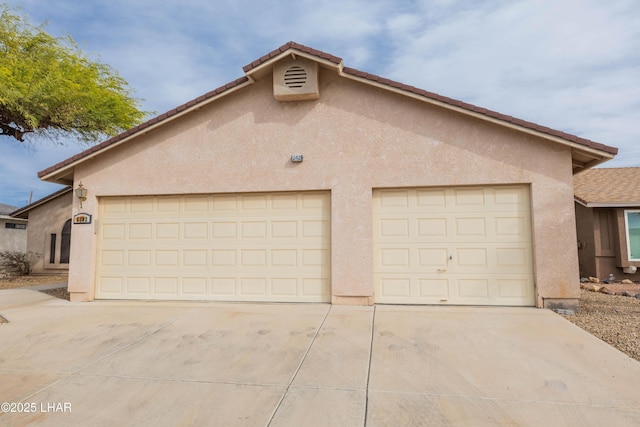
<point x="560" y="64"/>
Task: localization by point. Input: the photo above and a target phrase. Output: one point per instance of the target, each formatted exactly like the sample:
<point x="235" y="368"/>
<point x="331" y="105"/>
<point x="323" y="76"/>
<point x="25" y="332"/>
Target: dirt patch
<point x="32" y="280"/>
<point x="61" y="293"/>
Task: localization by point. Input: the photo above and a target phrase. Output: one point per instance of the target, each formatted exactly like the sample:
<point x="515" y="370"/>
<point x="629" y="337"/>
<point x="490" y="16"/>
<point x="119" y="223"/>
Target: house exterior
<point x="308" y="181"/>
<point x="49" y="231"/>
<point x="607" y="203"/>
<point x="13" y="231"/>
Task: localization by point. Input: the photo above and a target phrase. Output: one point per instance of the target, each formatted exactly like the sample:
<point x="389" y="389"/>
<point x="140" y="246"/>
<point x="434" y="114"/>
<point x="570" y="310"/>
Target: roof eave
<point x="629" y="204"/>
<point x="12" y="218"/>
<point x="25" y="210"/>
<point x="265" y="67"/>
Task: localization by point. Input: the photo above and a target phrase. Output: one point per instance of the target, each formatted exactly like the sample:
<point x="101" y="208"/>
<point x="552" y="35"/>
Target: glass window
<point x="632" y="223"/>
<point x="15" y="226"/>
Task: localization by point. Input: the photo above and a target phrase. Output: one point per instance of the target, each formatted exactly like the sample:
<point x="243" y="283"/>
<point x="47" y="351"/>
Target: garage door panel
<point x="140" y="231"/>
<point x="514" y="287"/>
<point x="224" y="287"/>
<point x="259" y="247"/>
<point x="433" y="289"/>
<point x="466" y="198"/>
<point x="476" y="289"/>
<point x="168" y="231"/>
<point x="475" y="258"/>
<point x="314" y="287"/>
<point x="196" y="204"/>
<point x="224" y="230"/>
<point x="284" y="229"/>
<point x="253" y="203"/>
<point x="432" y="227"/>
<point x="431" y="198"/>
<point x="164" y="205"/>
<point x="453" y="245"/>
<point x="139" y="258"/>
<point x="111" y="285"/>
<point x="115" y="231"/>
<point x="165" y="286"/>
<point x="137" y="285"/>
<point x="511" y="199"/>
<point x="513" y="228"/>
<point x="395" y="287"/>
<point x="433" y="258"/>
<point x="284" y="287"/>
<point x="313" y="229"/>
<point x="473" y="227"/>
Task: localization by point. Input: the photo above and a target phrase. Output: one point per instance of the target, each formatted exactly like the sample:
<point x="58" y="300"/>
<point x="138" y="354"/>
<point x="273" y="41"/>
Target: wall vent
<point x="295" y="80"/>
<point x="295" y="77"/>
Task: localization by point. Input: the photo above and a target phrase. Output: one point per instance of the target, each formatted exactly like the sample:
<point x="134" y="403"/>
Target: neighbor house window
<point x="16" y="226"/>
<point x="632" y="225"/>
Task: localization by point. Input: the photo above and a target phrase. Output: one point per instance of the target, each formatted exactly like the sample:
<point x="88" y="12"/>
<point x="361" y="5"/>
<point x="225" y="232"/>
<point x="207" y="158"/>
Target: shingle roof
<point x="23" y="212"/>
<point x="345" y="71"/>
<point x="608" y="187"/>
<point x="6" y="209"/>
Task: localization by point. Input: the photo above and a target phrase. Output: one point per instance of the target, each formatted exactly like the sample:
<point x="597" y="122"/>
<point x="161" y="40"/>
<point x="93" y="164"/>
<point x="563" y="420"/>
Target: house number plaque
<point x="82" y="218"/>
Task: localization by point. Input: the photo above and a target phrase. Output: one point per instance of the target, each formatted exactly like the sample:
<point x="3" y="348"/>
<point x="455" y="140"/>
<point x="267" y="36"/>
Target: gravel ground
<point x="612" y="318"/>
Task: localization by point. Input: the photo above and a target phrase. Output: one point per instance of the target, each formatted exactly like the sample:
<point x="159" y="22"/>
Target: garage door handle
<point x="442" y="270"/>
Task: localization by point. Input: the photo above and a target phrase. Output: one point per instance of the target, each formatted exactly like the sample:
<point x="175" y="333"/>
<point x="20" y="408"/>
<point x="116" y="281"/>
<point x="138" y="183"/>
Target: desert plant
<point x="20" y="261"/>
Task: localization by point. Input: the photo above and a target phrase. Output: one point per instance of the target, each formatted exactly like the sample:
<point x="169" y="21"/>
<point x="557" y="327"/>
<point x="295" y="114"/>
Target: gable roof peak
<point x="585" y="153"/>
<point x="288" y="48"/>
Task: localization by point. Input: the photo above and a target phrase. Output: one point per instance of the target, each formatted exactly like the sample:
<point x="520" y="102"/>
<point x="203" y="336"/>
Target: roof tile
<point x="608" y="186"/>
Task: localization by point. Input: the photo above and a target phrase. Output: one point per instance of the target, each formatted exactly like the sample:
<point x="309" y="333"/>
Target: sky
<point x="572" y="65"/>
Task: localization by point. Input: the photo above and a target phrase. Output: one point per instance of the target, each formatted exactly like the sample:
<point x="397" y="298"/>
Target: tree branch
<point x="14" y="132"/>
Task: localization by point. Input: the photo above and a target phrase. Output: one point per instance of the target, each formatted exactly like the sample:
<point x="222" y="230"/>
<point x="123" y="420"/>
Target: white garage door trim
<point x="453" y="245"/>
<point x="225" y="247"/>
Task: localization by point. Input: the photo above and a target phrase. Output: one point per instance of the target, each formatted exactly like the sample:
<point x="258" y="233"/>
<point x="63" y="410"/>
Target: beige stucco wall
<point x="354" y="138"/>
<point x="12" y="239"/>
<point x="44" y="220"/>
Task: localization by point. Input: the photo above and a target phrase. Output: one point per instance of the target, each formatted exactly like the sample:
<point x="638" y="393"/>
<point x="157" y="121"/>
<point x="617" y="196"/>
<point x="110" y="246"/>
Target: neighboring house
<point x="607" y="204"/>
<point x="13" y="231"/>
<point x="307" y="181"/>
<point x="49" y="232"/>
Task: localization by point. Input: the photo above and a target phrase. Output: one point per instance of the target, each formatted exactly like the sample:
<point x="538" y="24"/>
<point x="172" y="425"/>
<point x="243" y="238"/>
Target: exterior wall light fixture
<point x="81" y="193"/>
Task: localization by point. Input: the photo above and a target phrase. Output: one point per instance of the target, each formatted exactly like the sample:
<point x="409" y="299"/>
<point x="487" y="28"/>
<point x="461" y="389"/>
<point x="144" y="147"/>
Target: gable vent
<point x="295" y="77"/>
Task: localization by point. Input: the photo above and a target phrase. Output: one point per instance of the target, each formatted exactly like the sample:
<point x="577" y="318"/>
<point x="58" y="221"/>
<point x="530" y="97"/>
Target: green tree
<point x="48" y="87"/>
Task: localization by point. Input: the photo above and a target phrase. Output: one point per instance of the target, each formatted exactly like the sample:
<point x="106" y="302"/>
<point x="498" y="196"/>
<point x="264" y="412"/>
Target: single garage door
<point x="231" y="247"/>
<point x="456" y="245"/>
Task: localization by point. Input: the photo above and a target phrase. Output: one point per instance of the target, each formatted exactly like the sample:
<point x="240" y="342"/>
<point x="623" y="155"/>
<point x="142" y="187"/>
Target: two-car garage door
<point x="229" y="247"/>
<point x="454" y="245"/>
<point x="450" y="245"/>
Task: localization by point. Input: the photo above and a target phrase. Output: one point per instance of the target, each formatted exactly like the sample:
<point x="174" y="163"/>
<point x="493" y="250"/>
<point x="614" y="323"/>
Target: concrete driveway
<point x="139" y="363"/>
